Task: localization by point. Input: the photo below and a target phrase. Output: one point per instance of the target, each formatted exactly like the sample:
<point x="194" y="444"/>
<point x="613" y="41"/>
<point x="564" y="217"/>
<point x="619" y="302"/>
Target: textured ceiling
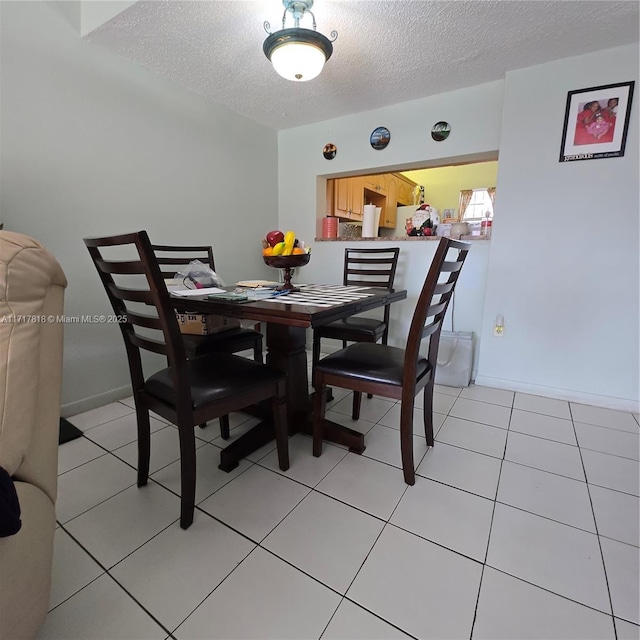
<point x="387" y="51"/>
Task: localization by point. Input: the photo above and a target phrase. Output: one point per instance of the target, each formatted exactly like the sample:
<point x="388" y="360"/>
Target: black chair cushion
<point x="372" y="362"/>
<point x="230" y="341"/>
<point x="361" y="329"/>
<point x="213" y="378"/>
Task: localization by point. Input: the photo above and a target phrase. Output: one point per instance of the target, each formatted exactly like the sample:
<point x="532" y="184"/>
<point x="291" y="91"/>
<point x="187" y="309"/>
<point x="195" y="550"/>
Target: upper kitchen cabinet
<point x="346" y="197"/>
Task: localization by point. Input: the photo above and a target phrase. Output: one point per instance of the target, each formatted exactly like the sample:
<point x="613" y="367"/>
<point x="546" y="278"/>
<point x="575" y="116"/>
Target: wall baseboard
<point x="93" y="402"/>
<point x="607" y="402"/>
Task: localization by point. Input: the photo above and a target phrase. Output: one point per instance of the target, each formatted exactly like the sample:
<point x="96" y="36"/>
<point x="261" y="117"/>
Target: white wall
<point x="568" y="288"/>
<point x="475" y="134"/>
<point x="91" y="145"/>
<point x="564" y="260"/>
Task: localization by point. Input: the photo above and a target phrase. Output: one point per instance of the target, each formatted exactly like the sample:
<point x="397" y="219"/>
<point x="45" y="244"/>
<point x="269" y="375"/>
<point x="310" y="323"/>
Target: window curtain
<point x="492" y="194"/>
<point x="465" y="199"/>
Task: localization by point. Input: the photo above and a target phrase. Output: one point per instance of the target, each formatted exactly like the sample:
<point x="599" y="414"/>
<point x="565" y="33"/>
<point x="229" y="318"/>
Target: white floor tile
<point x="509" y="608"/>
<point x="102" y="610"/>
<point x="602" y="417"/>
<point x="362" y="426"/>
<point x="546" y="455"/>
<point x="352" y="622"/>
<point x="449" y="517"/>
<point x="383" y="444"/>
<point x="490" y="414"/>
<point x="442" y="402"/>
<point x="473" y="436"/>
<point x="255" y="502"/>
<point x="175" y="571"/>
<point x="338" y="394"/>
<point x="450" y="391"/>
<point x="371" y="410"/>
<point x="119" y="432"/>
<point x="209" y="478"/>
<point x="326" y="539"/>
<point x="76" y="452"/>
<point x="488" y="394"/>
<point x="546" y="494"/>
<point x="304" y="467"/>
<point x="90" y="484"/>
<point x="463" y="469"/>
<point x="280" y="602"/>
<point x="542" y="426"/>
<point x="239" y="423"/>
<point x="165" y="449"/>
<point x="612" y="472"/>
<point x="616" y="443"/>
<point x="392" y="419"/>
<point x="73" y="568"/>
<point x="538" y="404"/>
<point x="93" y="418"/>
<point x="623" y="572"/>
<point x="617" y="514"/>
<point x="423" y="589"/>
<point x="548" y="554"/>
<point x="626" y="630"/>
<point x="115" y="528"/>
<point x="366" y="484"/>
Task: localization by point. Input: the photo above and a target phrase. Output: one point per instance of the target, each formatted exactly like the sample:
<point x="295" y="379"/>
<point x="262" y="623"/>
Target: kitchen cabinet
<point x="346" y="197"/>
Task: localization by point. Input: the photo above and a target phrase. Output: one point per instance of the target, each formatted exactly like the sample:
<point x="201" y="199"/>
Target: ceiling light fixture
<point x="298" y="54"/>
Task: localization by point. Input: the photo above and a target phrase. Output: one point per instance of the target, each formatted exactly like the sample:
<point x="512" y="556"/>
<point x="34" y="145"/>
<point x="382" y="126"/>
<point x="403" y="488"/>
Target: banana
<point x="289" y="241"/>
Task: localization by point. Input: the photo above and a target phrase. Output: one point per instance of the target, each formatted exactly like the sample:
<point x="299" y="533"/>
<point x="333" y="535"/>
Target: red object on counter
<point x="330" y="227"/>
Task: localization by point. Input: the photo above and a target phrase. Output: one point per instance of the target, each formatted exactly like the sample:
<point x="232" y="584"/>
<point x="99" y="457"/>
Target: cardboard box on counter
<point x="199" y="324"/>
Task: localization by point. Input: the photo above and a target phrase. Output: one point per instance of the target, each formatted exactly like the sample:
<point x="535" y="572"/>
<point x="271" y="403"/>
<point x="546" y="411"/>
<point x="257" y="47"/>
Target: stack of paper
<point x="256" y="284"/>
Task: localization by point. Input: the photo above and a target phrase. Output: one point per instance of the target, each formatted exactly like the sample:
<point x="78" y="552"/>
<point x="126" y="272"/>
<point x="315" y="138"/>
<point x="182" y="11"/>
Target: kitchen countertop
<point x="401" y="238"/>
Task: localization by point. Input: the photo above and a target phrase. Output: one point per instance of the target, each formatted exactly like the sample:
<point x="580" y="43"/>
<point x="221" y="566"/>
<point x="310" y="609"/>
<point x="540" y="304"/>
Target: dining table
<point x="287" y="319"/>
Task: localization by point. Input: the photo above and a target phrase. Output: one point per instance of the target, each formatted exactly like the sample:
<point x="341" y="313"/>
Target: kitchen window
<point x="477" y="203"/>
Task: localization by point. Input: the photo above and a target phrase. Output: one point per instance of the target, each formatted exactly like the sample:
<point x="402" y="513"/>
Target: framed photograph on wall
<point x="596" y="122"/>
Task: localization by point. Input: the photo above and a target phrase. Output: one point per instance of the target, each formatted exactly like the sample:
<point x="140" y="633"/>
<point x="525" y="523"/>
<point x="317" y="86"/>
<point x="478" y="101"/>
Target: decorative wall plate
<point x="380" y="138"/>
<point x="329" y="151"/>
<point x="440" y="131"/>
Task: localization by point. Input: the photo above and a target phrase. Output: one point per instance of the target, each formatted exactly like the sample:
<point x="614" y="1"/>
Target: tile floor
<point x="523" y="523"/>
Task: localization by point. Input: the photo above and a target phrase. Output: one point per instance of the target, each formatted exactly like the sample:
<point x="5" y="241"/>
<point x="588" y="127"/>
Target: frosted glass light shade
<point x="298" y="61"/>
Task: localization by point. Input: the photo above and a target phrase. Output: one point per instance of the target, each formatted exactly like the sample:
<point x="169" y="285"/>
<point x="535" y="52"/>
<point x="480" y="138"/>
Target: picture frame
<point x="596" y="121"/>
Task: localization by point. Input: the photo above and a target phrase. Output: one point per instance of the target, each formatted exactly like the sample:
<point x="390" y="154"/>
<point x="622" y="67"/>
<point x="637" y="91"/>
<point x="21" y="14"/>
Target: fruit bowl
<point x="282" y="262"/>
<point x="287" y="263"/>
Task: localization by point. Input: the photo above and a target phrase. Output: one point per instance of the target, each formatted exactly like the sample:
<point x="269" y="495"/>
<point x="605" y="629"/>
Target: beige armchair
<point x="31" y="288"/>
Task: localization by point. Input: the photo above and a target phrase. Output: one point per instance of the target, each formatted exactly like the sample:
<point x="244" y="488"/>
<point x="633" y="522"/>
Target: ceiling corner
<point x="95" y="13"/>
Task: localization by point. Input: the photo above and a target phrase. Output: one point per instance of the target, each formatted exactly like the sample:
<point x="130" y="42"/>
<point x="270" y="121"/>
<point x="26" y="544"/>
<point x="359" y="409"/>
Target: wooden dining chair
<point x="364" y="268"/>
<point x="189" y="391"/>
<point x="392" y="372"/>
<point x="172" y="259"/>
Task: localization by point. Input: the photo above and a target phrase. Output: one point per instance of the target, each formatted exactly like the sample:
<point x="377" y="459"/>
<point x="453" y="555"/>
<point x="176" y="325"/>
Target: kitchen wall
<point x="91" y="145"/>
<point x="563" y="259"/>
<point x="443" y="184"/>
<point x="563" y="269"/>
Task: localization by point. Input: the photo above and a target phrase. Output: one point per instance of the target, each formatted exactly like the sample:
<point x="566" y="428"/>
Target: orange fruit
<point x="267" y="251"/>
<point x="297" y="251"/>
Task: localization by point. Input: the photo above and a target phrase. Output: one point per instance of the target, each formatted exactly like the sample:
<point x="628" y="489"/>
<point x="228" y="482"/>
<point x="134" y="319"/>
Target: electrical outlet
<point x="498" y="327"/>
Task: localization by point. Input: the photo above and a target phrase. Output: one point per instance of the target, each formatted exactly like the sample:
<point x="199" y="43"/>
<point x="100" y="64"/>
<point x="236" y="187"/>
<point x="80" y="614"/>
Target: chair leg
<point x="316" y="348"/>
<point x="257" y="352"/>
<point x="319" y="407"/>
<point x="279" y="410"/>
<point x="187" y="474"/>
<point x="428" y="413"/>
<point x="357" y="401"/>
<point x="406" y="441"/>
<point x="224" y="427"/>
<point x="144" y="444"/>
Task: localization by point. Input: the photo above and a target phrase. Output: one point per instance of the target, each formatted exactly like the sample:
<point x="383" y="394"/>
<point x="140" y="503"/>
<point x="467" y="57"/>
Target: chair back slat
<point x="384" y="262"/>
<point x="429" y="312"/>
<point x="143" y="320"/>
<point x="172" y="257"/>
<point x="167" y="339"/>
<point x="121" y="267"/>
